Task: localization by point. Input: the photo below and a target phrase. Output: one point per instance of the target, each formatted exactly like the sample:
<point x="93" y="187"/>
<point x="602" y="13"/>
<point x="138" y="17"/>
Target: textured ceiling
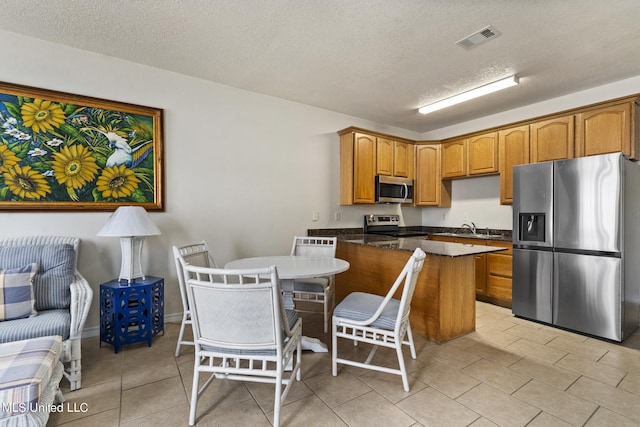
<point x="375" y="59"/>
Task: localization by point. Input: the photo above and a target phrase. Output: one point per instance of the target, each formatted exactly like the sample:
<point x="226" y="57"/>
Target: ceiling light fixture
<point x="473" y="93"/>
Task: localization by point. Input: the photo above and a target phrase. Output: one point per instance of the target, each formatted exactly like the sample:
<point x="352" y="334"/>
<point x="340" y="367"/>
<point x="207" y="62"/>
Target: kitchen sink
<point x="446" y="234"/>
<point x="472" y="236"/>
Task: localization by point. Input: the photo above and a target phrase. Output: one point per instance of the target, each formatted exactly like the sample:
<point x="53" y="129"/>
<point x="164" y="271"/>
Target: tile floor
<point x="510" y="372"/>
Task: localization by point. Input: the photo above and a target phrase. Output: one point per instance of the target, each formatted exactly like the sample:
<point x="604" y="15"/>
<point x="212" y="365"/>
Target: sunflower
<point x="117" y="182"/>
<point x="26" y="183"/>
<point x="74" y="166"/>
<point x="7" y="158"/>
<point x="42" y="115"/>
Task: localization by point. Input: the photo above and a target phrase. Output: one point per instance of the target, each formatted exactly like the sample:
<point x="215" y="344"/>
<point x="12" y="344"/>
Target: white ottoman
<point x="30" y="374"/>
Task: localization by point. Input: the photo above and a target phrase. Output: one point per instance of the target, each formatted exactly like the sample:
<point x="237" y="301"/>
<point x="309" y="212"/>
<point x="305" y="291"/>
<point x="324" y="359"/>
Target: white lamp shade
<point x="129" y="221"/>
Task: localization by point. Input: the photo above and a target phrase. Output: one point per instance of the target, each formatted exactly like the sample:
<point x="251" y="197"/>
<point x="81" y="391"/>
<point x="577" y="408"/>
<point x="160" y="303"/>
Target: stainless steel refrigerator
<point x="576" y="240"/>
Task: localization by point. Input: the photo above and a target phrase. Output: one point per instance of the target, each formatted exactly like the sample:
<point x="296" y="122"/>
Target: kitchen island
<point x="443" y="305"/>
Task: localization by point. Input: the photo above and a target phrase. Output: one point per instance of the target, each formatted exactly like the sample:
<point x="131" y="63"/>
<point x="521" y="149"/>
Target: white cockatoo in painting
<point x="123" y="154"/>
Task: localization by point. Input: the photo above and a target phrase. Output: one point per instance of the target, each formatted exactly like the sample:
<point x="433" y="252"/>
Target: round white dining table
<point x="295" y="267"/>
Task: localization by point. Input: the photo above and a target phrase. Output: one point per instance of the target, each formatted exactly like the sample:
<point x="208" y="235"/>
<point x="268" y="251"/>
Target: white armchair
<point x="61" y="313"/>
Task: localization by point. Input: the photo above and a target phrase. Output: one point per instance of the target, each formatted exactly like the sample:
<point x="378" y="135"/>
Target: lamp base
<point x="131" y="266"/>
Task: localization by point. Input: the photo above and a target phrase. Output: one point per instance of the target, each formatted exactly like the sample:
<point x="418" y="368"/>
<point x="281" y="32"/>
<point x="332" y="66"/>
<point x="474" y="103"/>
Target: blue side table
<point x="131" y="313"/>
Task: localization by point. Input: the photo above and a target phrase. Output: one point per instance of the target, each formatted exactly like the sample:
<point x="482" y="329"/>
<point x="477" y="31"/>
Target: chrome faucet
<point x="471" y="227"/>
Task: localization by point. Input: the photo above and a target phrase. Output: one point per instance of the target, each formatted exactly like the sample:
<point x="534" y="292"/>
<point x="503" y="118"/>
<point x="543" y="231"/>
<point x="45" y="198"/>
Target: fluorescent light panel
<point x="474" y="93"/>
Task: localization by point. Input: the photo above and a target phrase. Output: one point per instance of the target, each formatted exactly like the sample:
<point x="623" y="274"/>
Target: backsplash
<point x="506" y="234"/>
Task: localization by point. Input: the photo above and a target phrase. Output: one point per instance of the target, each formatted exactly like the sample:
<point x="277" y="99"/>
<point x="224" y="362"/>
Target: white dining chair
<point x="379" y="321"/>
<point x="318" y="290"/>
<point x="195" y="254"/>
<point x="242" y="331"/>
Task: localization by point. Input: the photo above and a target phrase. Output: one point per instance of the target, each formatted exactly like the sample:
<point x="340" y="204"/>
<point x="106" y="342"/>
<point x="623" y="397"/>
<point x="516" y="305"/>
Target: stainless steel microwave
<point x="391" y="189"/>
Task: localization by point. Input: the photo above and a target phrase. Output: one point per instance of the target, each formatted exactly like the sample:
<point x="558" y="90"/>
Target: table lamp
<point x="131" y="224"/>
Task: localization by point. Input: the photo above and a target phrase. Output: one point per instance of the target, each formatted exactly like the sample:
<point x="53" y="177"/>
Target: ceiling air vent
<point x="479" y="37"/>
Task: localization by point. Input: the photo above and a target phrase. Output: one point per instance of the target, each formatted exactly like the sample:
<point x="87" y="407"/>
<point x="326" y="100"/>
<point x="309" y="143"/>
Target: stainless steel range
<point x="388" y="225"/>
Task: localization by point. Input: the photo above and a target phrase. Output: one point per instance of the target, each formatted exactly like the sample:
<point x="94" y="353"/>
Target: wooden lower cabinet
<point x="493" y="271"/>
<point x="481" y="273"/>
<point x="480" y="265"/>
<point x="499" y="274"/>
<point x="443" y="305"/>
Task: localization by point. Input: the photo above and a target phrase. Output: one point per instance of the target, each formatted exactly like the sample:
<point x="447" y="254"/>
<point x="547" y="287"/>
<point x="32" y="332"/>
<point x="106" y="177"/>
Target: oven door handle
<point x="406" y="191"/>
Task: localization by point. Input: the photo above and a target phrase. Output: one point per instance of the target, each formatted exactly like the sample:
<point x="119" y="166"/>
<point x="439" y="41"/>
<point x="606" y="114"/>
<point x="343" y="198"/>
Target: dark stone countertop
<point x="410" y="244"/>
<point x="482" y="234"/>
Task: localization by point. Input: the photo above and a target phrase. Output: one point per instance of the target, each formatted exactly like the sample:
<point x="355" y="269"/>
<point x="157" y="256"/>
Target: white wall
<point x="479" y="198"/>
<point x="474" y="200"/>
<point x="243" y="171"/>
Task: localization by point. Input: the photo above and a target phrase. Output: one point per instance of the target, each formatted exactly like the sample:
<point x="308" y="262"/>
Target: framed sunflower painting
<point x="65" y="152"/>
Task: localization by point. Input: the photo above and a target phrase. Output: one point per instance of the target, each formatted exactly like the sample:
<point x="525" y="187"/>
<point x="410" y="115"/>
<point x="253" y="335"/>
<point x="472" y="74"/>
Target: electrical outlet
<point x="466" y="217"/>
<point x="315" y="216"/>
<point x="336" y="216"/>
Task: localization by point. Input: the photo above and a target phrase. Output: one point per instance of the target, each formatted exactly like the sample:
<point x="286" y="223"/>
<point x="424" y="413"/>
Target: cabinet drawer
<point x="500" y="265"/>
<point x="499" y="244"/>
<point x="499" y="287"/>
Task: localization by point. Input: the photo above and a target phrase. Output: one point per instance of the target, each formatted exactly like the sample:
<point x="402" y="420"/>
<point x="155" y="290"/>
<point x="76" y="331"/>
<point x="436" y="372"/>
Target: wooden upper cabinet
<point x="513" y="148"/>
<point x="385" y="157"/>
<point x="482" y="154"/>
<point x="607" y="130"/>
<point x="394" y="158"/>
<point x="608" y="127"/>
<point x="357" y="168"/>
<point x="477" y="155"/>
<point x="402" y="159"/>
<point x="552" y="139"/>
<point x="429" y="189"/>
<point x="454" y="159"/>
<point x="365" y="169"/>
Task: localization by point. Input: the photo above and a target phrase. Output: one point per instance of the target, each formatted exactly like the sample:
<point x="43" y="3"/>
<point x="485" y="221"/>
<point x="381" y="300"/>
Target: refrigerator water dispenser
<point x="532" y="227"/>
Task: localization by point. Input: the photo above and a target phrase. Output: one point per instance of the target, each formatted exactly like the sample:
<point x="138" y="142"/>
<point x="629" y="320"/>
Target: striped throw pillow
<point x="16" y="292"/>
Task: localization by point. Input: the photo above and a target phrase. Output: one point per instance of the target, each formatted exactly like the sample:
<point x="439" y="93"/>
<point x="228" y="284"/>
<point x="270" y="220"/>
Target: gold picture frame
<point x="60" y="151"/>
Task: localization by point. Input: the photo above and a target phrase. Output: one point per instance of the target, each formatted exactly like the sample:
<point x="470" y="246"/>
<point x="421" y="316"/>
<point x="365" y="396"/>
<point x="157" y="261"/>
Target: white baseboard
<point x="91" y="332"/>
<point x="173" y="318"/>
<point x="94" y="331"/>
